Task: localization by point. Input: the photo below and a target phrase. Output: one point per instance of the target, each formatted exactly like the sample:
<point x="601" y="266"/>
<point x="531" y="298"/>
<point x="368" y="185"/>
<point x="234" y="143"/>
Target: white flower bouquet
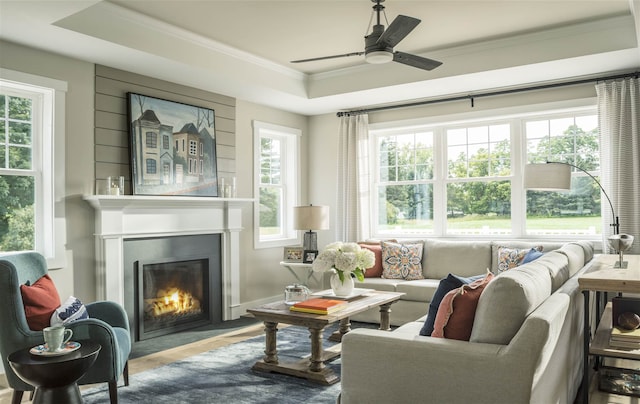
<point x="344" y="258"/>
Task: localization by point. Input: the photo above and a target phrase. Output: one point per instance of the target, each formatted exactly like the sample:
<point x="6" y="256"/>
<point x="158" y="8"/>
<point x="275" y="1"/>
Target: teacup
<point x="55" y="337"/>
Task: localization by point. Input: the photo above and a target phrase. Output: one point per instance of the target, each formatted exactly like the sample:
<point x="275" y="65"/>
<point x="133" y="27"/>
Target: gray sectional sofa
<point x="525" y="344"/>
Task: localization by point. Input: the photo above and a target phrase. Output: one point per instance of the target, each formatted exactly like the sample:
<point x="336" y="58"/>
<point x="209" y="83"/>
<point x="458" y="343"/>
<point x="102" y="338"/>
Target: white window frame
<point x="48" y="160"/>
<point x="516" y="116"/>
<point x="290" y="168"/>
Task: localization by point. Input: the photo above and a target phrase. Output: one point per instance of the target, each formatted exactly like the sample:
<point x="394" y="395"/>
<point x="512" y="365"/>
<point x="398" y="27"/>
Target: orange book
<point x="321" y="304"/>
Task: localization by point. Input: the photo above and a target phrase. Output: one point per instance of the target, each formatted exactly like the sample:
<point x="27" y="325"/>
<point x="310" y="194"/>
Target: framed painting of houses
<point x="172" y="147"/>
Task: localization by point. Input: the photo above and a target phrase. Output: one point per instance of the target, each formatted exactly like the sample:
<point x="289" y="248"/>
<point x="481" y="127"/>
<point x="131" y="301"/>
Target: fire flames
<point x="172" y="301"/>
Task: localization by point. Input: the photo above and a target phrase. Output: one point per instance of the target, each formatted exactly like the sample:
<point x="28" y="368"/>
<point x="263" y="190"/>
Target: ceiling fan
<point x="380" y="42"/>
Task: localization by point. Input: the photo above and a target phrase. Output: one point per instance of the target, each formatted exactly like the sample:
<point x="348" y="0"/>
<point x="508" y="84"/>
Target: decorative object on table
<point x="319" y="306"/>
<point x="345" y="260"/>
<point x="56" y="336"/>
<point x="619" y="381"/>
<point x="355" y="293"/>
<point x="311" y="218"/>
<point x="296" y="293"/>
<point x="628" y="320"/>
<point x="309" y="256"/>
<point x="293" y="254"/>
<point x="173" y="147"/>
<point x="620" y="243"/>
<point x="621" y="305"/>
<point x="625" y="322"/>
<point x="43" y="350"/>
<point x="556" y="176"/>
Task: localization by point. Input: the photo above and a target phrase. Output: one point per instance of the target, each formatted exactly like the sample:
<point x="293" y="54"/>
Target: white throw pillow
<point x="71" y="310"/>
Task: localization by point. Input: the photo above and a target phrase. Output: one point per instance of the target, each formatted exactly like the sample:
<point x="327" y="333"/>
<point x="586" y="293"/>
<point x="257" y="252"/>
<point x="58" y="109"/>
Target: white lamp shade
<point x="311" y="217"/>
<point x="547" y="177"/>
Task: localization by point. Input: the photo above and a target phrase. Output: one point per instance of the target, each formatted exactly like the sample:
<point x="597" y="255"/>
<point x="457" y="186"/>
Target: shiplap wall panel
<point x="111" y="127"/>
<point x="109" y="137"/>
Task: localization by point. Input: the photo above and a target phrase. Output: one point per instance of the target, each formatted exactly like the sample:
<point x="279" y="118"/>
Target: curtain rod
<point x="471" y="97"/>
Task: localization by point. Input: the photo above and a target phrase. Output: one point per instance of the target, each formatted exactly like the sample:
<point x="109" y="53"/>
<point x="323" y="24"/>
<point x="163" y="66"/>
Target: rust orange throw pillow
<point x="457" y="310"/>
<point x="40" y="301"/>
<point x="376" y="270"/>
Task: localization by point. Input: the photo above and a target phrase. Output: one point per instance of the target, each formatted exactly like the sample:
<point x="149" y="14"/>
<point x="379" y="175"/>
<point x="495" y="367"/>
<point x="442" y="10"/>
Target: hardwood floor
<point x="170" y="355"/>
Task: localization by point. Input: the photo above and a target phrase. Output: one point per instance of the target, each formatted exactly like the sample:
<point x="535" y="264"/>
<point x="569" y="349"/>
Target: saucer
<point x="41" y="350"/>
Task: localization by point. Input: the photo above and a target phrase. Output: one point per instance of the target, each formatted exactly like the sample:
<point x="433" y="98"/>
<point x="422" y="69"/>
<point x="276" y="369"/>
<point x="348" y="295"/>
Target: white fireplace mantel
<point x="126" y="217"/>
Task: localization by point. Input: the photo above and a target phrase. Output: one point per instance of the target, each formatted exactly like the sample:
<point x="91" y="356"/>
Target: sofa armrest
<point x="109" y="312"/>
<point x="379" y="366"/>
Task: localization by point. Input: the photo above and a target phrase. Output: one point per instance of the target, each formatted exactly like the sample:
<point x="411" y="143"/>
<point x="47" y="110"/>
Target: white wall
<point x="77" y="277"/>
<point x="261" y="275"/>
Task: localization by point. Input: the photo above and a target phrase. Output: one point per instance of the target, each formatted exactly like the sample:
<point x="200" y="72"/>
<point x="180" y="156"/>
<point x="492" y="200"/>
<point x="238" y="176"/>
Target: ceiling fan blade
<point x="397" y="30"/>
<point x="415" y="61"/>
<point x="328" y="57"/>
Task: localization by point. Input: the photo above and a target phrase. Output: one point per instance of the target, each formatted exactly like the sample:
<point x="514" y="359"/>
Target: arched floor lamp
<point x="556" y="176"/>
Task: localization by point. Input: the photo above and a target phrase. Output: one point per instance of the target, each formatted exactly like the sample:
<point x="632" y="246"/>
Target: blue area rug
<point x="224" y="375"/>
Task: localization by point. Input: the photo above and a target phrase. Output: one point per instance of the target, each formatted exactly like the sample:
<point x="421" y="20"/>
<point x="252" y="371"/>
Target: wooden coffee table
<point x="314" y="368"/>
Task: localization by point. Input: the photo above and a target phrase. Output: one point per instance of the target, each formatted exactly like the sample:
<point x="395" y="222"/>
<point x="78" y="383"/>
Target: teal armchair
<point x="107" y="325"/>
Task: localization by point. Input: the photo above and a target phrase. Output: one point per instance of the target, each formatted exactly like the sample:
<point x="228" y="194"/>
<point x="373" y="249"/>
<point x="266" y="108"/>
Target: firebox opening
<point x="172" y="295"/>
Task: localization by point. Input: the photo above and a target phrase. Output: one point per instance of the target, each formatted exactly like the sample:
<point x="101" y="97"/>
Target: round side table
<point x="55" y="377"/>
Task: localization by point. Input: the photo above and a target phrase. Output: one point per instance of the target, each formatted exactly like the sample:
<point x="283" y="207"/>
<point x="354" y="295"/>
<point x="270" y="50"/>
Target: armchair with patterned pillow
<point x="29" y="299"/>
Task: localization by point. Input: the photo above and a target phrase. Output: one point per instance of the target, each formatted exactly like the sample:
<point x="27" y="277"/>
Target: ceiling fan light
<point x="378" y="57"/>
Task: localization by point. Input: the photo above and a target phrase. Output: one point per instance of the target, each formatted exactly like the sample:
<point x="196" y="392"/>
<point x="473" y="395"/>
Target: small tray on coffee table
<point x="328" y="293"/>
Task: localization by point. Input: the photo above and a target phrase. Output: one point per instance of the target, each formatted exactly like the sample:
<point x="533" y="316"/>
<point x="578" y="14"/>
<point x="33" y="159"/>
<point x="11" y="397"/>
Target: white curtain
<point x="352" y="215"/>
<point x="619" y="121"/>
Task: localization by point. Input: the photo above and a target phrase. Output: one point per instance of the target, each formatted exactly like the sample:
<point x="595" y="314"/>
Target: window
<point x="465" y="178"/>
<point x="193" y="147"/>
<point x="276" y="173"/>
<point x="574" y="140"/>
<point x="32" y="181"/>
<point x="151" y="166"/>
<point x="152" y="140"/>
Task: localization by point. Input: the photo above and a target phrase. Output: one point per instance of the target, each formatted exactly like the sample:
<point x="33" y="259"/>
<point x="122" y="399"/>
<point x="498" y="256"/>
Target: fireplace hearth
<point x="189" y="227"/>
<point x="172" y="295"/>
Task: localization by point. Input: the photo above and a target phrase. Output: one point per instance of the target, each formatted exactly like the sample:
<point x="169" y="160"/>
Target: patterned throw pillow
<point x="71" y="310"/>
<point x="402" y="261"/>
<point x="509" y="258"/>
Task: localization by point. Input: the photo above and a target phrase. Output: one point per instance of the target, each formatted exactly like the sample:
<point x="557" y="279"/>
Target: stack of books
<point x="621" y="338"/>
<point x="319" y="306"/>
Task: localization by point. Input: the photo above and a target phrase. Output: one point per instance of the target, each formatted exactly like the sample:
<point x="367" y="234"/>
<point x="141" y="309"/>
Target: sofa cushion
<point x="576" y="255"/>
<point x="507" y="300"/>
<point x="376" y="270"/>
<point x="445" y="285"/>
<point x="465" y="258"/>
<point x="421" y="290"/>
<point x="385" y="285"/>
<point x="457" y="310"/>
<point x="402" y="260"/>
<point x="557" y="265"/>
<point x="546" y="247"/>
<point x="509" y="258"/>
<point x="40" y="301"/>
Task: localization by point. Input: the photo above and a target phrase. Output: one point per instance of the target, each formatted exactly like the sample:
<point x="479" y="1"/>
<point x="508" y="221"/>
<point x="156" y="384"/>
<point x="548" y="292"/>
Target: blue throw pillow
<point x="446" y="285"/>
<point x="532" y="255"/>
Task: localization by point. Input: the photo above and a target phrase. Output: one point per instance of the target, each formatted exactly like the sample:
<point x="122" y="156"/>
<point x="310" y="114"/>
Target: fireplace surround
<point x="131" y="218"/>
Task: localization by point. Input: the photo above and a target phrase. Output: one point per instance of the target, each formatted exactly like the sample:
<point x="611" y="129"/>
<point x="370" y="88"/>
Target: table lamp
<point x="311" y="218"/>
